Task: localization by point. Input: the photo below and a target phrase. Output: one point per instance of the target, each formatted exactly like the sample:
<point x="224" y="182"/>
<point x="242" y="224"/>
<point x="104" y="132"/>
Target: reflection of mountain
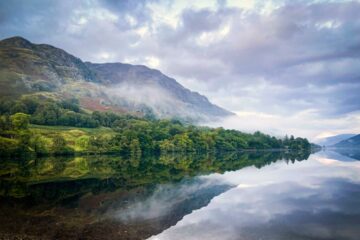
<point x="333" y="154"/>
<point x="167" y="204"/>
<point x="352" y="154"/>
<point x="76" y="196"/>
<point x="297" y="213"/>
<point x="280" y="202"/>
<point x="353" y="142"/>
<point x="193" y="201"/>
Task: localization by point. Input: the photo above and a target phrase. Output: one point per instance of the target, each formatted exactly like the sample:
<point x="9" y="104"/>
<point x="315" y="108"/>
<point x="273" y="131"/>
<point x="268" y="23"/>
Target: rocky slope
<point x="27" y="68"/>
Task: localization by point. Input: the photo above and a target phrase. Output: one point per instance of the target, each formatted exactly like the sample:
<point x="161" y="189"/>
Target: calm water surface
<point x="251" y="195"/>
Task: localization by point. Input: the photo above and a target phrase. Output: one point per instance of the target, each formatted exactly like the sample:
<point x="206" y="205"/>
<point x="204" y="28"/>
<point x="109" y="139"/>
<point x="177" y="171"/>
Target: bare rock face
<point x="32" y="68"/>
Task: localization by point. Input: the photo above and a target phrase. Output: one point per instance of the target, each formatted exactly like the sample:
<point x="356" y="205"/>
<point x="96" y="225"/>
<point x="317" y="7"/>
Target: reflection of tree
<point x="56" y="178"/>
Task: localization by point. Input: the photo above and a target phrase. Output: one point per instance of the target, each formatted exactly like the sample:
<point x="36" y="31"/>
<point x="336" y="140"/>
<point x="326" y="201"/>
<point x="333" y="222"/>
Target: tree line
<point x="132" y="135"/>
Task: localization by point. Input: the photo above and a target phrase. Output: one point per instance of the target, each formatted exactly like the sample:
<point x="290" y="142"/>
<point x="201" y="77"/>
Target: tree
<point x="19" y="107"/>
<point x="5" y="123"/>
<point x="23" y="138"/>
<point x="59" y="146"/>
<point x="20" y="120"/>
<point x="46" y="114"/>
<point x="135" y="149"/>
<point x="166" y="146"/>
<point x="38" y="144"/>
<point x="183" y="143"/>
<point x="30" y="103"/>
<point x="292" y="138"/>
<point x="71" y="104"/>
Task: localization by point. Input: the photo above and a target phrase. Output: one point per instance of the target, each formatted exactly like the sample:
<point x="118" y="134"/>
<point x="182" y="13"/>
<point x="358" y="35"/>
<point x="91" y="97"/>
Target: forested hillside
<point x="45" y="127"/>
<point x="53" y="103"/>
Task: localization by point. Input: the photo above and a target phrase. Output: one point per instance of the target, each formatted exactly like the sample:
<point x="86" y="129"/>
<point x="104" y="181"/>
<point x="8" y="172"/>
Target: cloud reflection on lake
<point x="314" y="199"/>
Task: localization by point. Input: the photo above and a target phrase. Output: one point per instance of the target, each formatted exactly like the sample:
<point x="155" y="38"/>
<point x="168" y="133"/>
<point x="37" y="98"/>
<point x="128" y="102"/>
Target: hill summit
<point x="45" y="70"/>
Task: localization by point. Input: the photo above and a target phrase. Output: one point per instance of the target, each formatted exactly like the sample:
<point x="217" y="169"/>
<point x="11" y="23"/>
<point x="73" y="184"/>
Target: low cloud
<point x="141" y="95"/>
<point x="301" y="124"/>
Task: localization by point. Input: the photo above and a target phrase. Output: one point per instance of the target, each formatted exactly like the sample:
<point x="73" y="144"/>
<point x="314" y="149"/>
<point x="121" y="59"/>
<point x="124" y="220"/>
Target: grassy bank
<point x="76" y="138"/>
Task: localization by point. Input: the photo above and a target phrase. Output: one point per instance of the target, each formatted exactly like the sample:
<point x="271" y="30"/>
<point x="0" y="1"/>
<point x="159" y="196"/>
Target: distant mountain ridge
<point x="353" y="142"/>
<point x="330" y="141"/>
<point x="41" y="69"/>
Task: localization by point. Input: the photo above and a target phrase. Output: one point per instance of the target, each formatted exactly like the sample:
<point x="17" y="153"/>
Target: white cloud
<point x="152" y="61"/>
<point x="208" y="38"/>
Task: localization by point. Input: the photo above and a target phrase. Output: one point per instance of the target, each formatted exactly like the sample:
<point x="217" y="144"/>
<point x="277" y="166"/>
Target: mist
<point x="307" y="124"/>
<point x="161" y="102"/>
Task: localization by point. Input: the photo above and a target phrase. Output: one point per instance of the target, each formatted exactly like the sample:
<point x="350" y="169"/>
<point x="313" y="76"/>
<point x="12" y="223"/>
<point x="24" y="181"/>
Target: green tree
<point x="31" y="104"/>
<point x="166" y="146"/>
<point x="20" y="120"/>
<point x="19" y="107"/>
<point x="46" y="114"/>
<point x="59" y="146"/>
<point x="23" y="137"/>
<point x="39" y="144"/>
<point x="135" y="149"/>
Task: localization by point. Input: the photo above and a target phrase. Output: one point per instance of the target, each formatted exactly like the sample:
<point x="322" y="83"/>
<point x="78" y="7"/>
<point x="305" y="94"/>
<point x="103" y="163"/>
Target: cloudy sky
<point x="284" y="66"/>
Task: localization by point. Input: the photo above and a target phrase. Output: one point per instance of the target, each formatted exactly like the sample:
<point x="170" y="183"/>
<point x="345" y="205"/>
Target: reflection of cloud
<point x="279" y="172"/>
<point x="344" y="161"/>
<point x="166" y="198"/>
<point x="243" y="185"/>
<point x="326" y="161"/>
<point x="306" y="200"/>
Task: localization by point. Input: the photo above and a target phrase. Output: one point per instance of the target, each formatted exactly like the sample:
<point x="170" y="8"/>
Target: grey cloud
<point x="300" y="46"/>
<point x="138" y="10"/>
<point x="27" y="18"/>
<point x="202" y="20"/>
<point x="303" y="54"/>
<point x="263" y="44"/>
<point x="192" y="24"/>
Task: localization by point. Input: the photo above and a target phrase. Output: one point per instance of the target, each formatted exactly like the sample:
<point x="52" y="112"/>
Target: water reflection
<point x="109" y="197"/>
<point x="314" y="199"/>
<point x="64" y="176"/>
<point x="352" y="154"/>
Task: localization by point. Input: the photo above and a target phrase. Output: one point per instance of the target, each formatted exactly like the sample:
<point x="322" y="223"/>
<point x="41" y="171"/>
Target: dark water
<point x="249" y="195"/>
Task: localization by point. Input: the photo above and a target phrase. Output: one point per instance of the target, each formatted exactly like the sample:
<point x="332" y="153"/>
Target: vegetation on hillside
<point x="28" y="68"/>
<point x="47" y="127"/>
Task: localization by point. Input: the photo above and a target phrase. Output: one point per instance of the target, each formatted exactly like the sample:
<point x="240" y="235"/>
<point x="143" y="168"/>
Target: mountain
<point x="47" y="71"/>
<point x="353" y="142"/>
<point x="139" y="84"/>
<point x="329" y="141"/>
